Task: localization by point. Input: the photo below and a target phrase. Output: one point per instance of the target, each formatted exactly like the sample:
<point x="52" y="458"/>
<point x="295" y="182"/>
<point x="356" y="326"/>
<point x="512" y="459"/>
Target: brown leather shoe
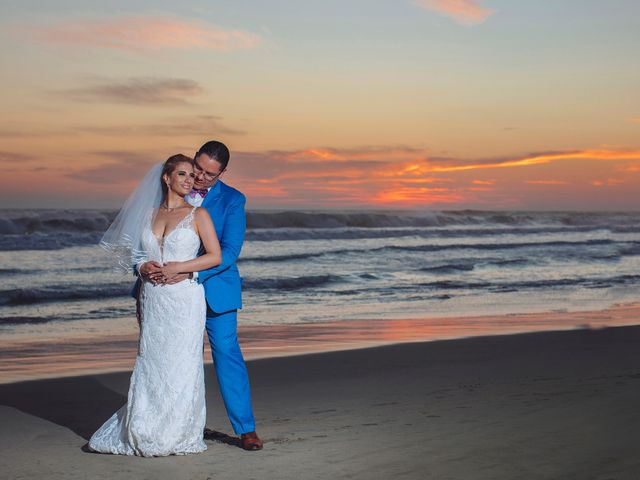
<point x="251" y="441"/>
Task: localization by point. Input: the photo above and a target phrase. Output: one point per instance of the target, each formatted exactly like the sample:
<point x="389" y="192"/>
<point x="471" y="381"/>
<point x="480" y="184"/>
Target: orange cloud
<point x="547" y="182"/>
<point x="425" y="180"/>
<point x="344" y="155"/>
<point x="412" y="196"/>
<point x="634" y="119"/>
<point x="316" y="153"/>
<point x="602" y="154"/>
<point x="136" y="33"/>
<point x="484" y="182"/>
<point x="610" y="182"/>
<point x="467" y="12"/>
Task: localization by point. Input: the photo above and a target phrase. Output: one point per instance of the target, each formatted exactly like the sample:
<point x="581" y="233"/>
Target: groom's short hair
<point x="218" y="151"/>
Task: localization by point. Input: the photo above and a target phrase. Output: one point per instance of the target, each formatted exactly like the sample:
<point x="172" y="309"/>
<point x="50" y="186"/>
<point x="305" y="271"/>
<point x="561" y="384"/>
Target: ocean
<point x="303" y="267"/>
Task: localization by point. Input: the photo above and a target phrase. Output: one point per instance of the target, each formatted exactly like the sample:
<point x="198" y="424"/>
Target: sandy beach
<point x="545" y="405"/>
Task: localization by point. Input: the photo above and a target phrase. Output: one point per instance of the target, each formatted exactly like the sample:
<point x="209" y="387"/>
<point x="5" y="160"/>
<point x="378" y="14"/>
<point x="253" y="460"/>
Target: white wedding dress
<point x="165" y="411"/>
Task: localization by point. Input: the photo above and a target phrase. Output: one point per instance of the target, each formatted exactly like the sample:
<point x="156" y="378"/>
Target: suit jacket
<point x="222" y="284"/>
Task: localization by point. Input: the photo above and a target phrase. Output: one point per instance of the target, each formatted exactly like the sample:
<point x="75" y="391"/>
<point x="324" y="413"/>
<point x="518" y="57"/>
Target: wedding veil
<point x="123" y="237"/>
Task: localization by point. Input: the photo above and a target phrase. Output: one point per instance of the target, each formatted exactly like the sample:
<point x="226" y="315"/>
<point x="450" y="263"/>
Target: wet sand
<point x="37" y="357"/>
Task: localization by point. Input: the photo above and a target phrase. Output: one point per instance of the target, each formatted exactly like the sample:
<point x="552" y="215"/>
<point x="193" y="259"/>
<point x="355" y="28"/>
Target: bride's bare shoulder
<point x="202" y="215"/>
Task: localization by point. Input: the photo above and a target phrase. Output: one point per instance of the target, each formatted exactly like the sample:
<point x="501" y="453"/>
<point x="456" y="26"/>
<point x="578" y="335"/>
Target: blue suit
<point x="222" y="284"/>
<point x="223" y="292"/>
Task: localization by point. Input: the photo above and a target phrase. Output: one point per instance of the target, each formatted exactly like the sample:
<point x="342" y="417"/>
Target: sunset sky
<point x="422" y="104"/>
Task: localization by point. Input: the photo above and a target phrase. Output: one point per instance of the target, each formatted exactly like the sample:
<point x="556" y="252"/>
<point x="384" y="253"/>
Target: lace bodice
<point x="180" y="244"/>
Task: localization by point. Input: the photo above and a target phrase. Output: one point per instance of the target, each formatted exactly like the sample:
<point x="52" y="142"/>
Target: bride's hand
<point x="170" y="269"/>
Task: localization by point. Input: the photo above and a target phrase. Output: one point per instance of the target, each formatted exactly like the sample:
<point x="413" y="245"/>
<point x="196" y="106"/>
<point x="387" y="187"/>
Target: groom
<point x="222" y="286"/>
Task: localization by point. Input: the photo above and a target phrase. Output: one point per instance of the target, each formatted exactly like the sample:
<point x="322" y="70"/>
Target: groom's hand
<point x="151" y="272"/>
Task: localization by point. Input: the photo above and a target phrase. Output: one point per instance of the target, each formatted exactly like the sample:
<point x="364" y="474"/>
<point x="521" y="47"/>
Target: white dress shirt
<point x="197" y="200"/>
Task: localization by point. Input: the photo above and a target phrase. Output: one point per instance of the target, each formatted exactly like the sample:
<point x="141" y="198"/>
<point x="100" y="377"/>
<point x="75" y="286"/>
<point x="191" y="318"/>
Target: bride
<point x="165" y="411"/>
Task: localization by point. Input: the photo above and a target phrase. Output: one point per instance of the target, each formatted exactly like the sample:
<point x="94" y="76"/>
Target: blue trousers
<point x="230" y="369"/>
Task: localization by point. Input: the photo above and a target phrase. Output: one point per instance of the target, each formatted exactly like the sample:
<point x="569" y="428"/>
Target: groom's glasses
<point x="197" y="169"/>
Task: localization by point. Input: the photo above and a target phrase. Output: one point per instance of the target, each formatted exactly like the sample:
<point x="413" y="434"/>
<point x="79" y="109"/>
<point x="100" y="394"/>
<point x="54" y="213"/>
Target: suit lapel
<point x="213" y="194"/>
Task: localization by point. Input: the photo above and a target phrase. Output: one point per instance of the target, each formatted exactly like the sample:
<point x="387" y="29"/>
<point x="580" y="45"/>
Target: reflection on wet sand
<point x="25" y="360"/>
